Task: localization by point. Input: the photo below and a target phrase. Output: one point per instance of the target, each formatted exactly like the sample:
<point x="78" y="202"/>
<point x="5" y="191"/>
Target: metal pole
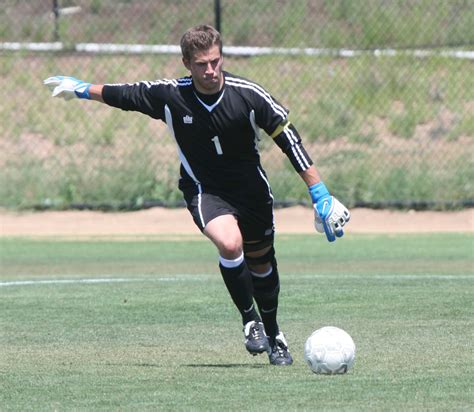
<point x="217" y="14"/>
<point x="56" y="20"/>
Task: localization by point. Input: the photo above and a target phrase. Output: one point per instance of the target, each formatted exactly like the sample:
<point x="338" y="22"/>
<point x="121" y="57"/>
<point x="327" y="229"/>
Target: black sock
<point x="238" y="281"/>
<point x="266" y="291"/>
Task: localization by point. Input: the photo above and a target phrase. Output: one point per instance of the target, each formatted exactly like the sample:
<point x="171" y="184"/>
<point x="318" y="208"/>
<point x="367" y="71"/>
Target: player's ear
<point x="186" y="63"/>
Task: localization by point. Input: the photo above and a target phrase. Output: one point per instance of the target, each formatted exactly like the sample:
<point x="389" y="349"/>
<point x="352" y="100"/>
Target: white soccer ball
<point x="329" y="351"/>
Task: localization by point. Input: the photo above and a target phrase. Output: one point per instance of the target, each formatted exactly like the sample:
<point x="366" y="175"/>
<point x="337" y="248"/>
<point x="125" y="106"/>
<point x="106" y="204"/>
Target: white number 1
<point x="219" y="151"/>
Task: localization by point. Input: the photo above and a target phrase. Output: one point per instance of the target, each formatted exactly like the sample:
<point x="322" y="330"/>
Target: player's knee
<point x="230" y="247"/>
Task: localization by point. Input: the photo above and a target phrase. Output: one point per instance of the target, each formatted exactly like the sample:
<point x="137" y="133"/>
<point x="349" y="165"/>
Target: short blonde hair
<point x="199" y="38"/>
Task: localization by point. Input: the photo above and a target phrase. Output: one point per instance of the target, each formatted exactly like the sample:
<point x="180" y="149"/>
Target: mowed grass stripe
<point x="201" y="278"/>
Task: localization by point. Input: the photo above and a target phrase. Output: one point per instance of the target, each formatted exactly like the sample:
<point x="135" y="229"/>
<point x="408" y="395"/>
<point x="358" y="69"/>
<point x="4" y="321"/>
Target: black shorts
<point x="254" y="216"/>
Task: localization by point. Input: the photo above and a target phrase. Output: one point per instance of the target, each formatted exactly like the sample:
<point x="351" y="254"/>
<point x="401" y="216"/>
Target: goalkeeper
<point x="215" y="118"/>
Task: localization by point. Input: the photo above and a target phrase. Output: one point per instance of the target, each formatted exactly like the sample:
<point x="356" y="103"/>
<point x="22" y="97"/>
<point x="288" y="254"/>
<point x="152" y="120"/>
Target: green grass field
<point x="127" y="324"/>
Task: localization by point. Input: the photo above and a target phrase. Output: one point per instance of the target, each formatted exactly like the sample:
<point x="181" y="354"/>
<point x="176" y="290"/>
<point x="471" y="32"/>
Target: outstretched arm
<point x="141" y="96"/>
<point x="69" y="87"/>
<point x="95" y="92"/>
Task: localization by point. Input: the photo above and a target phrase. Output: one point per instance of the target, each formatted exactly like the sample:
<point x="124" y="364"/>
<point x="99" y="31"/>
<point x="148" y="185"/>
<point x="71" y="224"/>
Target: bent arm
<point x="330" y="214"/>
<point x="288" y="140"/>
<point x="310" y="176"/>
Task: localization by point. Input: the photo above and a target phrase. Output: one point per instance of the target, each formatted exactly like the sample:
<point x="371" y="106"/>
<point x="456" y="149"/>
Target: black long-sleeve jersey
<point x="217" y="142"/>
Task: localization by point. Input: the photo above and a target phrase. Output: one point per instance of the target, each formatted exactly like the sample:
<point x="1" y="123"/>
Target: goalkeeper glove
<point x="330" y="215"/>
<point x="68" y="87"/>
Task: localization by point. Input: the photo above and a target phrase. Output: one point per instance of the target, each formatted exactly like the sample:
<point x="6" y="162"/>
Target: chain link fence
<point x="382" y="92"/>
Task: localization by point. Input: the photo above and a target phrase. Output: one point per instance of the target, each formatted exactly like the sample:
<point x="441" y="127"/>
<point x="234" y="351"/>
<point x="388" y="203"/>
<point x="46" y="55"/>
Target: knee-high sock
<point x="266" y="291"/>
<point x="238" y="281"/>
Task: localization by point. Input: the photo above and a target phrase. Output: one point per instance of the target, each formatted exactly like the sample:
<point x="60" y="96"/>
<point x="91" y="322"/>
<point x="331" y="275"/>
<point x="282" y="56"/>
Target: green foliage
<point x="304" y="23"/>
<point x="465" y="127"/>
<point x="404" y="124"/>
<point x="371" y="123"/>
<point x="361" y="122"/>
<point x="96" y="6"/>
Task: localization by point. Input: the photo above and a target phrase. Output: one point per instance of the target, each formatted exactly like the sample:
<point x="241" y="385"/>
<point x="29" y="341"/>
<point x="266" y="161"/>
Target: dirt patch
<point x="160" y="221"/>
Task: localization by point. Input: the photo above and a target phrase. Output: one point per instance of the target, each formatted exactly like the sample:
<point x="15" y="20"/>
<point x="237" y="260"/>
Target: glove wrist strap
<point x="82" y="92"/>
<point x="318" y="191"/>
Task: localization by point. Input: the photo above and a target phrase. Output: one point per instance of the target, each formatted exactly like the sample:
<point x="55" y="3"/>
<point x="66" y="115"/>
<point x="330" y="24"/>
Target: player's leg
<point x="216" y="219"/>
<point x="224" y="232"/>
<point x="264" y="269"/>
<point x="266" y="282"/>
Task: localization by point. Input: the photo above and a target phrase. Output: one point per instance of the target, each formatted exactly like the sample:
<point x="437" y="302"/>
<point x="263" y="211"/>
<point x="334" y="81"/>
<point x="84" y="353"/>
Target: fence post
<point x="56" y="20"/>
<point x="217" y="14"/>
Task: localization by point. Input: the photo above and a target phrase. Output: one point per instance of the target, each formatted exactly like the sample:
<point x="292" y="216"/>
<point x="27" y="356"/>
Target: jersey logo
<point x="187" y="119"/>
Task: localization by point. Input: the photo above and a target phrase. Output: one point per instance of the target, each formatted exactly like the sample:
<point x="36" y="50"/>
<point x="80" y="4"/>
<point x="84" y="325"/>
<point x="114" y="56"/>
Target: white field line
<point x="89" y="281"/>
<point x="198" y="278"/>
<point x="114" y="48"/>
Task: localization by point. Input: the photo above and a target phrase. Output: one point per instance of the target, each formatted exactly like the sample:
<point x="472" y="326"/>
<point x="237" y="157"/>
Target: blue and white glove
<point x="330" y="215"/>
<point x="68" y="87"/>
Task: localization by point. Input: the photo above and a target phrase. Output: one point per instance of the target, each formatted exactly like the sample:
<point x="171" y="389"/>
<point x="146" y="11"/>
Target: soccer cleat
<point x="255" y="339"/>
<point x="278" y="353"/>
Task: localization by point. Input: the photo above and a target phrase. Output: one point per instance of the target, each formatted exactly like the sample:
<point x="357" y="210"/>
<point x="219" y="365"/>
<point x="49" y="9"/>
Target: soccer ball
<point x="329" y="351"/>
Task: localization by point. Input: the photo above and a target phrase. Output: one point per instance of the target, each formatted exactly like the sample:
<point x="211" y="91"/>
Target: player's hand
<point x="330" y="215"/>
<point x="68" y="87"/>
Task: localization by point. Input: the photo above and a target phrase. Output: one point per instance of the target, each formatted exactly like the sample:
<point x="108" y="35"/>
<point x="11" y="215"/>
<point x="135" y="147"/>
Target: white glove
<point x="330" y="215"/>
<point x="335" y="220"/>
<point x="68" y="87"/>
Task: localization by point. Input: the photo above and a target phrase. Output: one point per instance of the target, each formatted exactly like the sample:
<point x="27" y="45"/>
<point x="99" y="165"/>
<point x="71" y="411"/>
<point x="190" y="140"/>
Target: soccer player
<point x="215" y="118"/>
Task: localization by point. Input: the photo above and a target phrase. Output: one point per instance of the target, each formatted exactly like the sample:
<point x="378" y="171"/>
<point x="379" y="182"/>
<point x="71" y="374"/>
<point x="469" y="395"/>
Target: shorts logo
<point x="187" y="119"/>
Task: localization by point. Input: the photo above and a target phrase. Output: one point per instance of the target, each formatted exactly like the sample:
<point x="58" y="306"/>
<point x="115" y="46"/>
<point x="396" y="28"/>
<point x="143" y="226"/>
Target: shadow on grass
<point x="225" y="365"/>
<point x="206" y="365"/>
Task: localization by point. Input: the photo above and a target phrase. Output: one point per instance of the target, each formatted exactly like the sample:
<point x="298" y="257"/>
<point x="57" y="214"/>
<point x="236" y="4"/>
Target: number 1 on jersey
<point x="219" y="151"/>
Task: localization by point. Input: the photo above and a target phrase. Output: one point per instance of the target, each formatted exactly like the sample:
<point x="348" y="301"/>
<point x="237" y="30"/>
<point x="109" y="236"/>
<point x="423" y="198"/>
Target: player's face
<point x="206" y="70"/>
